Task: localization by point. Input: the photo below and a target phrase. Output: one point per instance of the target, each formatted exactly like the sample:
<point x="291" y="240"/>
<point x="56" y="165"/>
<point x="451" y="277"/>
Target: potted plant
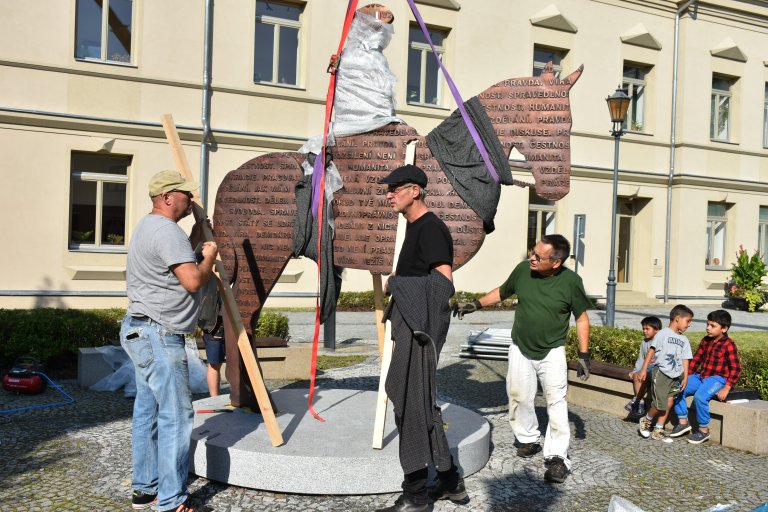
<point x="744" y="289"/>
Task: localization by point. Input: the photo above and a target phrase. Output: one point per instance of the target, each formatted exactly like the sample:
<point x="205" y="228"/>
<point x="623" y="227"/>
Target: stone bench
<point x="743" y="426"/>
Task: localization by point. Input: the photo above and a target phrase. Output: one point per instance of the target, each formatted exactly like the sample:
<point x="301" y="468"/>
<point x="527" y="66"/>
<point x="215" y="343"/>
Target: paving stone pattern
<point x="77" y="457"/>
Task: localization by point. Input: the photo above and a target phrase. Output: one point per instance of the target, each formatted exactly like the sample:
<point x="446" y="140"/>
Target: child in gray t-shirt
<point x="638" y="405"/>
<point x="672" y="352"/>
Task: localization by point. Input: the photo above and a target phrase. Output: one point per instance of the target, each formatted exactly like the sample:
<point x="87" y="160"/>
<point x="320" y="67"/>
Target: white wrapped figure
<point x="365" y="86"/>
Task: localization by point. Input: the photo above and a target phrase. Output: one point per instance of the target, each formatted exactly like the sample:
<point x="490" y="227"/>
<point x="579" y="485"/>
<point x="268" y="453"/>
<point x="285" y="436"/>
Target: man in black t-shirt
<point x="419" y="328"/>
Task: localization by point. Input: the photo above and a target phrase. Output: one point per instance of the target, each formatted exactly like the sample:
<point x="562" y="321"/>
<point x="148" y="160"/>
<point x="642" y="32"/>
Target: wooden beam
<point x="378" y="300"/>
<point x="233" y="314"/>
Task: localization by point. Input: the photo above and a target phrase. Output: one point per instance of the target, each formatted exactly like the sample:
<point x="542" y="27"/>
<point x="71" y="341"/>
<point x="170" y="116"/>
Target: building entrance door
<point x="625" y="215"/>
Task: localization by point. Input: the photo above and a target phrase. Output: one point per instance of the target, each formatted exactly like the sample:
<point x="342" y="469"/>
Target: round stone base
<point x="331" y="457"/>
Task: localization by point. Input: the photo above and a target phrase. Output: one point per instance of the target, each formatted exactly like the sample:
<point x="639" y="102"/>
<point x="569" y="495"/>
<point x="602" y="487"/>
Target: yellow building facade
<point x="84" y="84"/>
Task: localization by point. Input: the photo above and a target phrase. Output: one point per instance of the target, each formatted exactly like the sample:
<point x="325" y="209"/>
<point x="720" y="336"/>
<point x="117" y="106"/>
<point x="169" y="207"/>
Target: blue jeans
<point x="162" y="411"/>
<point x="702" y="391"/>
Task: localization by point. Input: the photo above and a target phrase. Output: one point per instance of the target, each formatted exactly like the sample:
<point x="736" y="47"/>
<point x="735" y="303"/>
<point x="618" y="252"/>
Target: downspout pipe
<point x="672" y="151"/>
<point x="206" y="109"/>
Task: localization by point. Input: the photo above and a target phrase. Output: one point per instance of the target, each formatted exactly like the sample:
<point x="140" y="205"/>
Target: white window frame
<point x="100" y="179"/>
<point x="541" y="210"/>
<point x="105" y="36"/>
<point x="712" y="223"/>
<point x="762" y="233"/>
<point x="556" y="68"/>
<point x="720" y="96"/>
<point x="425" y="53"/>
<point x="765" y="118"/>
<point x="279" y="23"/>
<point x="630" y="87"/>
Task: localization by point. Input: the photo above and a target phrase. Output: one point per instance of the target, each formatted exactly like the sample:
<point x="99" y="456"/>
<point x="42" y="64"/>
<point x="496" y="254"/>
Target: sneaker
<point x="441" y="492"/>
<point x="557" y="472"/>
<point x="631" y="406"/>
<point x="527" y="450"/>
<point x="698" y="437"/>
<point x="659" y="435"/>
<point x="141" y="500"/>
<point x="680" y="429"/>
<point x="645" y="427"/>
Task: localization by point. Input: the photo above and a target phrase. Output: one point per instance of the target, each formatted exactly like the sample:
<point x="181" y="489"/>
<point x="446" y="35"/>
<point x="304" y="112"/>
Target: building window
<point x="425" y="85"/>
<point x="633" y="84"/>
<point x="542" y="55"/>
<point x="765" y="118"/>
<point x="103" y="30"/>
<point x="97" y="201"/>
<point x="721" y="108"/>
<point x="716" y="223"/>
<point x="762" y="233"/>
<point x="276" y="45"/>
<point x="541" y="218"/>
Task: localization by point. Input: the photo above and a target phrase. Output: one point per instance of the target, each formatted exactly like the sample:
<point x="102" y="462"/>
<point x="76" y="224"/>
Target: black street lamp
<point x="618" y="103"/>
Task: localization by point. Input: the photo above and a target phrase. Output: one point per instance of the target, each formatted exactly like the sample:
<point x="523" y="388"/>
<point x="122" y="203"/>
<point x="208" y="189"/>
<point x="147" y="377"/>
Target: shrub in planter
<point x="745" y="286"/>
<point x="271" y="324"/>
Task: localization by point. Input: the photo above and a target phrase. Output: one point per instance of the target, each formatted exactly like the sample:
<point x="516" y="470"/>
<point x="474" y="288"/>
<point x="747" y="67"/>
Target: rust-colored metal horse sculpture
<point x="256" y="209"/>
<point x="255" y="205"/>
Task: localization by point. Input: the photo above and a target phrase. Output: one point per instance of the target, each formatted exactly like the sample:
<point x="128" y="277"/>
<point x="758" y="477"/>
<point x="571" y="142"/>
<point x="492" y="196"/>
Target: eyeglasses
<point x="392" y="189"/>
<point x="539" y="258"/>
<point x="185" y="192"/>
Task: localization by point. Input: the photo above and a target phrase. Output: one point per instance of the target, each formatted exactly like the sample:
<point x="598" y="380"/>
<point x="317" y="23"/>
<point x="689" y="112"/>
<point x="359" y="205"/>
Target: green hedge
<point x="48" y="333"/>
<point x="363" y="301"/>
<point x="621" y="345"/>
<point x="56" y="334"/>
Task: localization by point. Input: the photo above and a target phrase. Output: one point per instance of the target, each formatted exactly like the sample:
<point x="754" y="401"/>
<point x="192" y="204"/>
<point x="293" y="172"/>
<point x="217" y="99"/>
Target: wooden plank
<point x="378" y="300"/>
<point x="233" y="314"/>
<point x="381" y="399"/>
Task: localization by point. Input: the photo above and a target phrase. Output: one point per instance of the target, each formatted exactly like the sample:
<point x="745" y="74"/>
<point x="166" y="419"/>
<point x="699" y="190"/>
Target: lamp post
<point x="618" y="103"/>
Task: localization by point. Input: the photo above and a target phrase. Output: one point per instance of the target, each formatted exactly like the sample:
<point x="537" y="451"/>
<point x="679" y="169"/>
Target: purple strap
<point x="317" y="171"/>
<point x="456" y="95"/>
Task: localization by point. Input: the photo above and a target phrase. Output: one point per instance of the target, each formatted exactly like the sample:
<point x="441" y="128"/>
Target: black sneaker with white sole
<point x="141" y="500"/>
<point x="698" y="437"/>
<point x="680" y="429"/>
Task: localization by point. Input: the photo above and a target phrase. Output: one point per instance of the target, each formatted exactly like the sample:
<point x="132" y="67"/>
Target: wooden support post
<point x="378" y="301"/>
<point x="381" y="398"/>
<point x="385" y="349"/>
<point x="233" y="314"/>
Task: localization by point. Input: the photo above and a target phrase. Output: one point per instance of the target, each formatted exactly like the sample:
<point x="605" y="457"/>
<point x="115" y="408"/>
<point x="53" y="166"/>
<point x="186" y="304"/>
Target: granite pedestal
<point x="334" y="457"/>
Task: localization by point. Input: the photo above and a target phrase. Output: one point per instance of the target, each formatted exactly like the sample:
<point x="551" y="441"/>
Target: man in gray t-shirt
<point x="163" y="282"/>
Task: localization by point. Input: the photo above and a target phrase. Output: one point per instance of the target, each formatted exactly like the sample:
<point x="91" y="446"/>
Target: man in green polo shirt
<point x="547" y="294"/>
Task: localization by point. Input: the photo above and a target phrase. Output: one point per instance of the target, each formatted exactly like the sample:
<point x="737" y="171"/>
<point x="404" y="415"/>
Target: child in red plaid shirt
<point x="714" y="371"/>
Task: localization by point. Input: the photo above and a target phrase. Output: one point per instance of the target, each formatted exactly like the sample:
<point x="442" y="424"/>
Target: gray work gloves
<point x="582" y="370"/>
<point x="462" y="308"/>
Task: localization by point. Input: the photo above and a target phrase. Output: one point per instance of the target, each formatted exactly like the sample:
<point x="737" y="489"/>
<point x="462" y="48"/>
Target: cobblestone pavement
<point x="77" y="457"/>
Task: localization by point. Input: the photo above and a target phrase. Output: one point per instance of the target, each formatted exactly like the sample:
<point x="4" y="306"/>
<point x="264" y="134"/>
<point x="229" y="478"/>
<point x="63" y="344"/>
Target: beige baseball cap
<point x="165" y="181"/>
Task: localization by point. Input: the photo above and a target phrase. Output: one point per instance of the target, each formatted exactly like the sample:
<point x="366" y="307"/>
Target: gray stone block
<point x="92" y="367"/>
